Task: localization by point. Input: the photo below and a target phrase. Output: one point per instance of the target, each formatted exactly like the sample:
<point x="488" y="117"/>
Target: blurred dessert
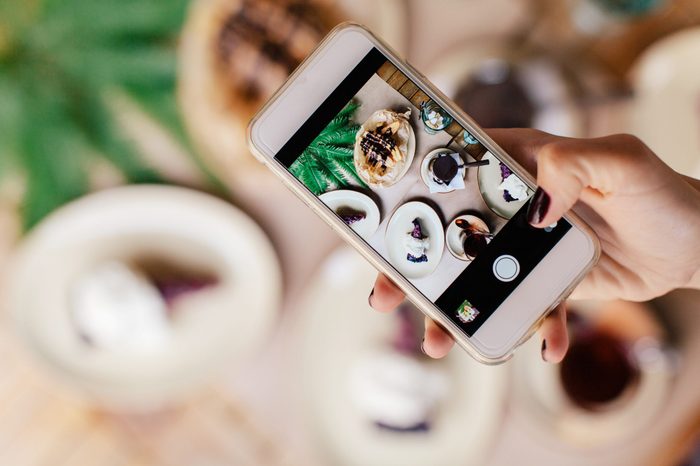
<point x="118" y="307"/>
<point x="397" y="387"/>
<point x="396" y="391"/>
<point x="502" y="87"/>
<point x="381" y="147"/>
<point x="616" y="377"/>
<point x="598" y="355"/>
<point x="233" y="55"/>
<point x="494" y="96"/>
<point x="115" y="308"/>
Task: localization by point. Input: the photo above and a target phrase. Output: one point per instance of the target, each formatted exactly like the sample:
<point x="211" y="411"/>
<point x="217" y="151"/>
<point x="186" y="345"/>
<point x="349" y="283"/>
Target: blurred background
<point x="165" y="301"/>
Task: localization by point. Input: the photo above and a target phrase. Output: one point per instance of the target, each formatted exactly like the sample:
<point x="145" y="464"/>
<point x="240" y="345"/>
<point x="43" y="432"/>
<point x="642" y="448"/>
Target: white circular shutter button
<point x="506" y="268"/>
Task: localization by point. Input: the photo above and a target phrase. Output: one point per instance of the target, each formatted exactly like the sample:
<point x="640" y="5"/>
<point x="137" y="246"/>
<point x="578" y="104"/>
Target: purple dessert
<point x="350" y="216"/>
<point x="505" y="173"/>
<point x="420" y="244"/>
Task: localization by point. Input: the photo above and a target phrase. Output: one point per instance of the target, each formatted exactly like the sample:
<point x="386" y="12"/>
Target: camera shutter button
<point x="506" y="268"/>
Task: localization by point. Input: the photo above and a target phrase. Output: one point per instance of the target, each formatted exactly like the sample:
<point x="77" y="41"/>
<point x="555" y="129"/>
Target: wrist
<point x="694" y="215"/>
<point x="694" y="282"/>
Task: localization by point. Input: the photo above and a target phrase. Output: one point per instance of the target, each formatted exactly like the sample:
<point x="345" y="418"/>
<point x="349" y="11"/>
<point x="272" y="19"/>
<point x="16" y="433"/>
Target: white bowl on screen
<point x="453" y="235"/>
<point x="400" y="225"/>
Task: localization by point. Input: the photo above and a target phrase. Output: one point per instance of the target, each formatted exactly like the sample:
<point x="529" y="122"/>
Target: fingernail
<point x="422" y="347"/>
<point x="544" y="349"/>
<point x="369" y="298"/>
<point x="539" y="205"/>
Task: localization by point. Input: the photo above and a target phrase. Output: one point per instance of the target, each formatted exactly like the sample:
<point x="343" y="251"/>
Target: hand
<point x="646" y="216"/>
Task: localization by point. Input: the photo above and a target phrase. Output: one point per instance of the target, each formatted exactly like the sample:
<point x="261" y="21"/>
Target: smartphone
<point x="421" y="191"/>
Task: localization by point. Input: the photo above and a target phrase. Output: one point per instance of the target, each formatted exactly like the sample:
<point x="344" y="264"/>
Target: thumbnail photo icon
<point x="466" y="313"/>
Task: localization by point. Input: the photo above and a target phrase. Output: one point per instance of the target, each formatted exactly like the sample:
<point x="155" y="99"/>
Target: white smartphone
<point x="421" y="191"/>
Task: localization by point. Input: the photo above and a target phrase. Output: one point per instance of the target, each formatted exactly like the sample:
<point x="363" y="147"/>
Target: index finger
<point x="385" y="296"/>
<point x="522" y="144"/>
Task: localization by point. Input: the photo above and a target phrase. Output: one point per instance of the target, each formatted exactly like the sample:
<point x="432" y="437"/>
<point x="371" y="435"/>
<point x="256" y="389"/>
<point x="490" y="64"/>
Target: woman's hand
<point x="646" y="216"/>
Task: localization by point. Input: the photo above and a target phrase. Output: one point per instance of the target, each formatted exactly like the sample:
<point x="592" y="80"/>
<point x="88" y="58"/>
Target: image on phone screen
<point x="421" y="190"/>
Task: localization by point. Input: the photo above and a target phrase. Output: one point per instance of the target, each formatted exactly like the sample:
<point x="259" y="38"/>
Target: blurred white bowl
<point x="187" y="230"/>
<point x="665" y="112"/>
<point x="547" y="409"/>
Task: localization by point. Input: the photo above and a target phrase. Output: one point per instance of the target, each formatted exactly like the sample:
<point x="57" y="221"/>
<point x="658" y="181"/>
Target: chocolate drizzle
<point x="378" y="146"/>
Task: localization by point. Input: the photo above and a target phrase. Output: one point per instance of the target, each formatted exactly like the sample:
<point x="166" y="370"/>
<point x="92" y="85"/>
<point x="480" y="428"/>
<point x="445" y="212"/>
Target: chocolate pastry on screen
<point x="234" y="54"/>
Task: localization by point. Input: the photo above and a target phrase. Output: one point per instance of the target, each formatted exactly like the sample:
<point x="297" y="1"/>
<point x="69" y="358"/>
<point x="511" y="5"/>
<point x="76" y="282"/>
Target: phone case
<point x="427" y="307"/>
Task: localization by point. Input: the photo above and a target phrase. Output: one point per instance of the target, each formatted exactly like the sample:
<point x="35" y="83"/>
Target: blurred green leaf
<point x="60" y="60"/>
<point x="10" y="115"/>
<point x="52" y="177"/>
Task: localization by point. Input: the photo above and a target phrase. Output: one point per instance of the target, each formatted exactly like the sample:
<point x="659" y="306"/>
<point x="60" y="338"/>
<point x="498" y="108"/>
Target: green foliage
<point x="328" y="161"/>
<point x="59" y="62"/>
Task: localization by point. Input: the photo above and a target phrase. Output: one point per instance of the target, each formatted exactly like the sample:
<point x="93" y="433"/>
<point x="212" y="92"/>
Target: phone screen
<point x="421" y="190"/>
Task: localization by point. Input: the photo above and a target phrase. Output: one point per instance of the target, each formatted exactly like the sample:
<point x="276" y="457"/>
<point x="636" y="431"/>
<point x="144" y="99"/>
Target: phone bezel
<point x="306" y="89"/>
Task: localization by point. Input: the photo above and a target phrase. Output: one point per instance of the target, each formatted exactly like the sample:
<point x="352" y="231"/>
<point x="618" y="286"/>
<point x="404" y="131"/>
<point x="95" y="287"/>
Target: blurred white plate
<point x="400" y="224"/>
<point x="187" y="229"/>
<point x="665" y="111"/>
<point x="489" y="177"/>
<point x="336" y="331"/>
<point x="358" y="202"/>
<point x="453" y="235"/>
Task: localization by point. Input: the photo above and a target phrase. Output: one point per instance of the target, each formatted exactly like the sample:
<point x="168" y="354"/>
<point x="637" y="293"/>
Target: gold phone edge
<point x="412" y="293"/>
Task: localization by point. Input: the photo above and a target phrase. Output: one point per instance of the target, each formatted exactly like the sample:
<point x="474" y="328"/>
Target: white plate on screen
<point x="489" y="177"/>
<point x="466" y="426"/>
<point x="357" y="202"/>
<point x="400" y="224"/>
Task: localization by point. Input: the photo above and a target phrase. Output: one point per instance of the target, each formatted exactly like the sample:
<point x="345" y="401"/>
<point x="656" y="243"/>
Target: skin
<point x="646" y="216"/>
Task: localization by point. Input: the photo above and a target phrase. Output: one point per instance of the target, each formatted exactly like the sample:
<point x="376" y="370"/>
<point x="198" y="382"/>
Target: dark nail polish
<point x="544" y="348"/>
<point x="369" y="298"/>
<point x="539" y="205"/>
